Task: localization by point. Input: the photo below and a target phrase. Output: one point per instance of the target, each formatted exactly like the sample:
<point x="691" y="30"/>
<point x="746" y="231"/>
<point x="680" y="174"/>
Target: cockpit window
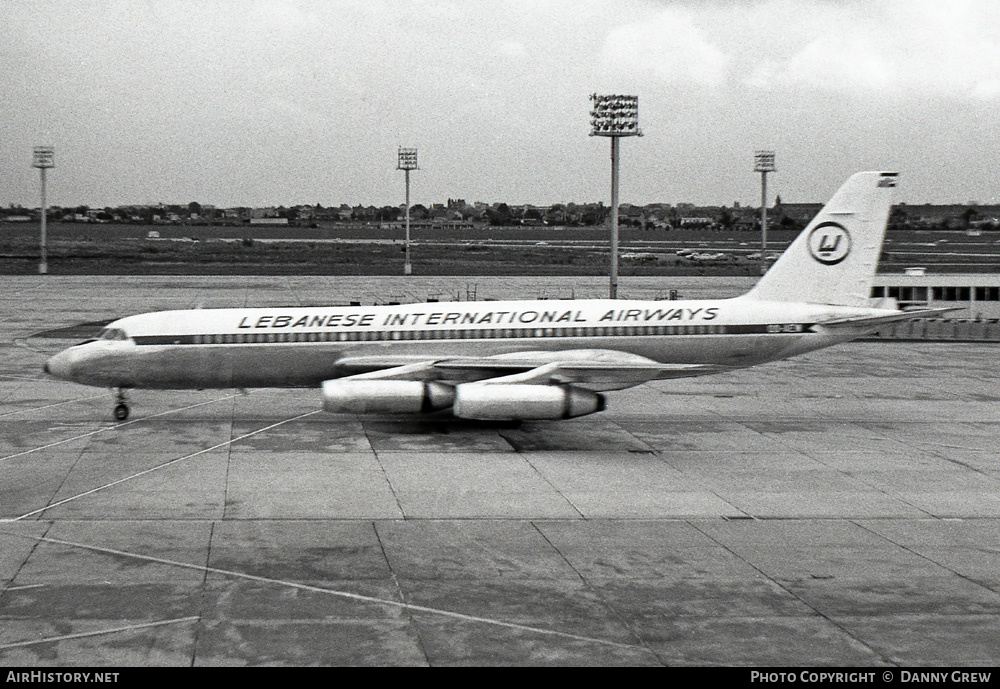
<point x="113" y="334"/>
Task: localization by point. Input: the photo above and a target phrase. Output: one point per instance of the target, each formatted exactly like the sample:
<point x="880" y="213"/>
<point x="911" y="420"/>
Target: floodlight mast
<point x="763" y="162"/>
<point x="614" y="116"/>
<point x="407" y="161"/>
<point x="44" y="158"/>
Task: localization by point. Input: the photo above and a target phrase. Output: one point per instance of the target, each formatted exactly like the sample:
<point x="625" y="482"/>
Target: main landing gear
<point x="121" y="409"/>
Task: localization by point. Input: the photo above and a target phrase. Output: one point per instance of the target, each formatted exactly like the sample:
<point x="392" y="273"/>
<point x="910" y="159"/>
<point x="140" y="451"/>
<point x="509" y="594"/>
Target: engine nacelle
<point x="386" y="396"/>
<point x="515" y="401"/>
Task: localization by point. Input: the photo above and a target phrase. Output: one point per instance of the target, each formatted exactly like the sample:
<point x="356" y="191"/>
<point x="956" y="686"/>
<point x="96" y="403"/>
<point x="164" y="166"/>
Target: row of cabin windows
<point x="938" y="293"/>
<point x="260" y="338"/>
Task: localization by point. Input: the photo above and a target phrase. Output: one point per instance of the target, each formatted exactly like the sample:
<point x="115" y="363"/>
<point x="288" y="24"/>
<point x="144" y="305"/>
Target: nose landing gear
<point x="121" y="408"/>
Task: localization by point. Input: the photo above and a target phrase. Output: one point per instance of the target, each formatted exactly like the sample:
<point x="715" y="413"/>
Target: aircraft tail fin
<point x="833" y="260"/>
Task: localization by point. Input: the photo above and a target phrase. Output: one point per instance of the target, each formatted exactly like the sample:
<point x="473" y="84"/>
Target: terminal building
<point x="976" y="294"/>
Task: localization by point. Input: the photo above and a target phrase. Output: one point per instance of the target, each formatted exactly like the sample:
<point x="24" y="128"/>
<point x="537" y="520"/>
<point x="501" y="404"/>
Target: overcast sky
<point x="267" y="103"/>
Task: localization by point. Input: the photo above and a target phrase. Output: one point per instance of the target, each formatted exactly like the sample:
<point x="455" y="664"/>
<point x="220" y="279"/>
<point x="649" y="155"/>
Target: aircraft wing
<point x="516" y="385"/>
<point x="595" y="368"/>
<point x="875" y="321"/>
<point x="622" y="374"/>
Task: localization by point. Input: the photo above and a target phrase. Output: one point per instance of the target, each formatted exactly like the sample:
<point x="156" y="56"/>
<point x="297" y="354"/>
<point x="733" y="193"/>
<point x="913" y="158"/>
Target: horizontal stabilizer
<point x="866" y="321"/>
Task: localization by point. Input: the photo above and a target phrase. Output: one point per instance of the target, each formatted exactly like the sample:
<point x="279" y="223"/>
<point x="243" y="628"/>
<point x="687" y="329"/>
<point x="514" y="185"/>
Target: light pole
<point x="407" y="161"/>
<point x="44" y="158"/>
<point x="763" y="162"/>
<point x="614" y="116"/>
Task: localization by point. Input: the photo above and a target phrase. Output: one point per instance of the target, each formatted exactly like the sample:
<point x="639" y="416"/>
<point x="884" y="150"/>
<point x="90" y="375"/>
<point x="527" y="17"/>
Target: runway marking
<point x="116" y="427"/>
<point x="333" y="592"/>
<point x="49" y="406"/>
<point x="165" y="464"/>
<point x="98" y="632"/>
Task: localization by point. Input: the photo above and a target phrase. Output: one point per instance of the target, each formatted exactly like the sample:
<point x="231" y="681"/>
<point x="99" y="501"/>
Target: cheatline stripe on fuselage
<point x="470" y="334"/>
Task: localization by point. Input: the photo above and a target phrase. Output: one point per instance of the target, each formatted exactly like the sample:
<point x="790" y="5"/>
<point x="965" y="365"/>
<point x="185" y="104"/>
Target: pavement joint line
<point x="332" y="592"/>
<point x="385" y="476"/>
<point x="399" y="588"/>
<point x="927" y="443"/>
<point x="830" y="619"/>
<point x="98" y="632"/>
<point x="917" y="552"/>
<point x="951" y="460"/>
<point x="115" y="427"/>
<point x="545" y="478"/>
<point x="590" y="586"/>
<point x="165" y="464"/>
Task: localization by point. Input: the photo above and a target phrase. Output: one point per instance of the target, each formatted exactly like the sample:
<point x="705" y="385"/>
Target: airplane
<point x="512" y="360"/>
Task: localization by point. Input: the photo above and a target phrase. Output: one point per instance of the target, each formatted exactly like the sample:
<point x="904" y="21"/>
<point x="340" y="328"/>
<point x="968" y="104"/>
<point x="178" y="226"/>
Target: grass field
<point x="124" y="249"/>
<point x="81" y="249"/>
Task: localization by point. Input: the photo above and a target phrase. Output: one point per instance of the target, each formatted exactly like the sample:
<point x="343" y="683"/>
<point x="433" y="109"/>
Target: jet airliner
<point x="517" y="359"/>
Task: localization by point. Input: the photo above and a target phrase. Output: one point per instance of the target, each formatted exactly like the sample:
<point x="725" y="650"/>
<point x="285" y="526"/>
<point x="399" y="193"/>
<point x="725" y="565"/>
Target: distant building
<point x="428" y="225"/>
<point x="698" y="221"/>
<point x="931" y="214"/>
<point x="800" y="213"/>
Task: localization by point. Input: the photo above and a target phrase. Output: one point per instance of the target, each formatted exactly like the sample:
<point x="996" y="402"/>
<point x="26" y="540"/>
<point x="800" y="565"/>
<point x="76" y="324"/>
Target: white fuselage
<point x="304" y="346"/>
<point x="512" y="360"/>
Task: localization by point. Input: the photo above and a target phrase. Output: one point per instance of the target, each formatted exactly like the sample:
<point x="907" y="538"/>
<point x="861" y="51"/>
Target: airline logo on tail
<point x="829" y="243"/>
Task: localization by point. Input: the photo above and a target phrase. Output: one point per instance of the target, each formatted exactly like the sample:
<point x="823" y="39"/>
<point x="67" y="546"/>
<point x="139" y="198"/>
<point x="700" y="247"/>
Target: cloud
<point x="513" y="49"/>
<point x="246" y="101"/>
<point x="670" y="46"/>
<point x="911" y="48"/>
<point x="897" y="47"/>
<point x="839" y="63"/>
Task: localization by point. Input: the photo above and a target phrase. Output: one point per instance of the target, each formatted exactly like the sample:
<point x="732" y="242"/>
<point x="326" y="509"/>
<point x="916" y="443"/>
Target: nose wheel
<point x="121" y="408"/>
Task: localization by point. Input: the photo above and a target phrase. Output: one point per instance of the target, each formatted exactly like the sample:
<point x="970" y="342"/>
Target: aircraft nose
<point x="60" y="366"/>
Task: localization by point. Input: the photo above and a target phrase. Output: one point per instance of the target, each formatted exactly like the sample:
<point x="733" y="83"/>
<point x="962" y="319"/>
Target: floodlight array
<point x="407" y="159"/>
<point x="614" y="115"/>
<point x="763" y="161"/>
<point x="44" y="157"/>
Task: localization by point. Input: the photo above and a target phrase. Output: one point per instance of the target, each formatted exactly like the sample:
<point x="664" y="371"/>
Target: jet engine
<point x="508" y="402"/>
<point x="386" y="396"/>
